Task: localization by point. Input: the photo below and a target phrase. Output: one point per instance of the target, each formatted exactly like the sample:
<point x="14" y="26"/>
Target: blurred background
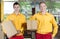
<point x="28" y="8"/>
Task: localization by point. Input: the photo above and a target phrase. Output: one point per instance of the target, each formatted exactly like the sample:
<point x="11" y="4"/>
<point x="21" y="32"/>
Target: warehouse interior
<point x="29" y="8"/>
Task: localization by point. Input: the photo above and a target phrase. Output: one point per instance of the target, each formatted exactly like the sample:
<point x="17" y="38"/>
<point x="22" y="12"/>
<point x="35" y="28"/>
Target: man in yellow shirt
<point x="46" y="22"/>
<point x="18" y="20"/>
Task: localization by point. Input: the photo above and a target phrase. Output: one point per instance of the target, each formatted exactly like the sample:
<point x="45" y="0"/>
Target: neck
<point x="44" y="12"/>
<point x="16" y="12"/>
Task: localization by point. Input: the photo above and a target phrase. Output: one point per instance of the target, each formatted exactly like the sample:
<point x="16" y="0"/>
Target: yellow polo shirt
<point x="17" y="20"/>
<point x="45" y="23"/>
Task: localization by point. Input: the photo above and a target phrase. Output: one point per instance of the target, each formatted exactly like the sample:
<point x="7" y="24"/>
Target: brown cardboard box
<point x="31" y="25"/>
<point x="9" y="28"/>
<point x="34" y="25"/>
<point x="1" y="32"/>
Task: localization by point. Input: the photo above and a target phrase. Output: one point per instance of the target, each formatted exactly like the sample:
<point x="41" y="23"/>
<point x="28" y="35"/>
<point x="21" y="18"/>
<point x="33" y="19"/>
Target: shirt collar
<point x="15" y="14"/>
<point x="44" y="14"/>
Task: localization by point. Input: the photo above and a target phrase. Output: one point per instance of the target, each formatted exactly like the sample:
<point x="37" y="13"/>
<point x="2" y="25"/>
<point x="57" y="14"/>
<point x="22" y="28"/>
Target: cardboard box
<point x="31" y="25"/>
<point x="1" y="32"/>
<point x="9" y="28"/>
<point x="34" y="25"/>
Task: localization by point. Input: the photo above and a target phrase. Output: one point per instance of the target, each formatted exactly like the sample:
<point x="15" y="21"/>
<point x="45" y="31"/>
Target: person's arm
<point x="33" y="17"/>
<point x="23" y="24"/>
<point x="55" y="26"/>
